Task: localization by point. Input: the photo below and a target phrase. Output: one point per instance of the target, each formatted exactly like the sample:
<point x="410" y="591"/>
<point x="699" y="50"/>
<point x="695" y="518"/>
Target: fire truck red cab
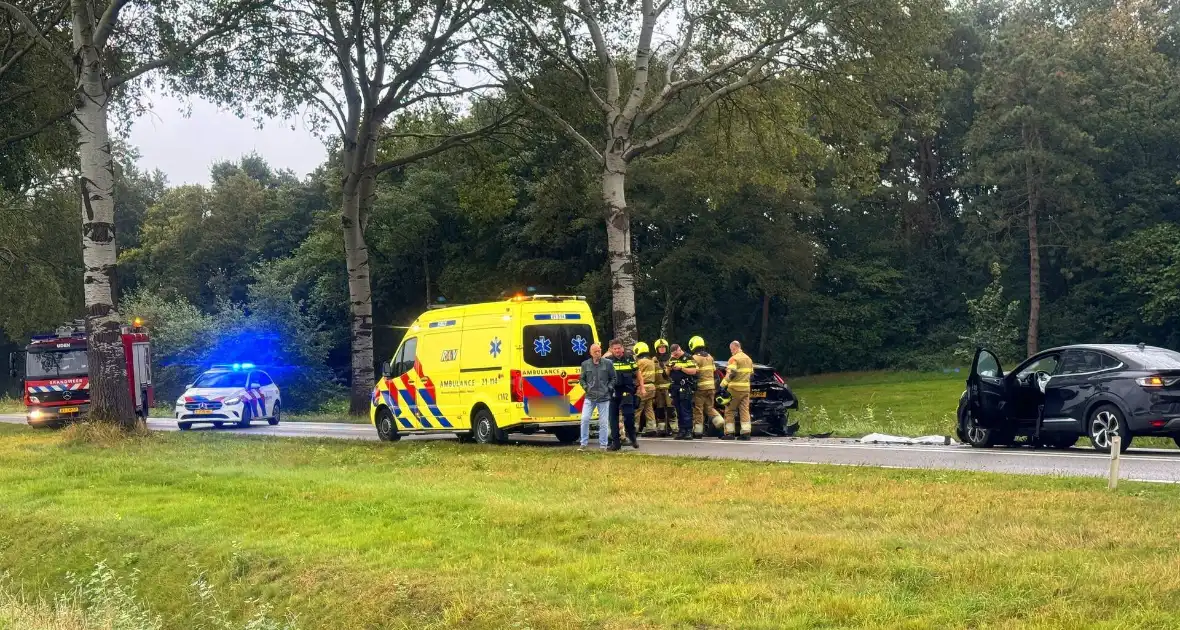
<point x="57" y="376"/>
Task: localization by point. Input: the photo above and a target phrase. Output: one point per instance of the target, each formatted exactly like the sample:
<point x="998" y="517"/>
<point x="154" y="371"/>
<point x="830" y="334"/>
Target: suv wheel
<point x="1105" y="422"/>
<point x="976" y="435"/>
<point x="275" y="415"/>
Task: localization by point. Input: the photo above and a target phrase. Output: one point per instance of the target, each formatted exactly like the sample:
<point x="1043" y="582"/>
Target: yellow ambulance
<point x="483" y="371"/>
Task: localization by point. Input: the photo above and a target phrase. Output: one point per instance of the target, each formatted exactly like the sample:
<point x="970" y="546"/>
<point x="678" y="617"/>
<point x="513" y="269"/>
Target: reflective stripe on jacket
<point x="705" y="368"/>
<point x="739" y="372"/>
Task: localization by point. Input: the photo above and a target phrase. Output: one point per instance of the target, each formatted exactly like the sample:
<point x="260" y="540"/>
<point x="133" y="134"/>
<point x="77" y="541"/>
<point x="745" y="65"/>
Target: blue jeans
<point x="588" y="407"/>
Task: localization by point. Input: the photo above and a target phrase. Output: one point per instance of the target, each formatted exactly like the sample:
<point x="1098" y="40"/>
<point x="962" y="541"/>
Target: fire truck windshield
<point x="55" y="363"/>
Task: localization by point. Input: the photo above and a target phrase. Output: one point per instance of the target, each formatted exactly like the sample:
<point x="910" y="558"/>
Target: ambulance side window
<point x="405" y="357"/>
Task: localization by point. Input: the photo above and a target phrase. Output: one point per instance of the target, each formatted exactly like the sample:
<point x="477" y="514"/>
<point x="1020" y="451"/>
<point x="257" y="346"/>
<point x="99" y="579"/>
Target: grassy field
<point x="11" y="405"/>
<point x="900" y="403"/>
<point x="196" y="531"/>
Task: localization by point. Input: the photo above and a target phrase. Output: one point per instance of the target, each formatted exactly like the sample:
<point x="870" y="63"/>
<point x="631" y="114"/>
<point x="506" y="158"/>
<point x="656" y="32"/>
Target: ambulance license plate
<point x="757" y="394"/>
<point x="68" y="410"/>
<point x="204" y="412"/>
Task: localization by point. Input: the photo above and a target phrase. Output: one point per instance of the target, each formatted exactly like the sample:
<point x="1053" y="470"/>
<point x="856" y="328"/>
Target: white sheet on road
<point x="881" y="438"/>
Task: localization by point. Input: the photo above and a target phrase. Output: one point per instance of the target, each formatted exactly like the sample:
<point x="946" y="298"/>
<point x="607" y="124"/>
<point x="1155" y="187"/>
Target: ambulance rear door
<point x="554" y="345"/>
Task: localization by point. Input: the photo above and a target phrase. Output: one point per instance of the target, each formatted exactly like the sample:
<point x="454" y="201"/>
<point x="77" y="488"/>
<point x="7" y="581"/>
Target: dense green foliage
<point x="844" y="230"/>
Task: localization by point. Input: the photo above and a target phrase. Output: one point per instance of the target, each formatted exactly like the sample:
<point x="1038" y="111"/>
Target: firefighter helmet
<point x="660" y="343"/>
<point x="640" y="348"/>
<point x="696" y="343"/>
<point x="723" y="398"/>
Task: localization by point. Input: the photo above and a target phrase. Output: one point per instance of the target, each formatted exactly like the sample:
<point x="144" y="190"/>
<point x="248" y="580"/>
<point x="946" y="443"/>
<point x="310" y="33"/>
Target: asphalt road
<point x="1154" y="465"/>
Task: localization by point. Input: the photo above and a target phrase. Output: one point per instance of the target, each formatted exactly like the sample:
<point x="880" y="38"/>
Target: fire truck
<point x="56" y="374"/>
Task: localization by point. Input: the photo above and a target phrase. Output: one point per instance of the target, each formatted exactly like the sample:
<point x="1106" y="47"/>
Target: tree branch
<point x="49" y="122"/>
<point x="106" y="25"/>
<point x="35" y="33"/>
<point x="604" y="56"/>
<point x="232" y="21"/>
<point x="33" y="41"/>
<point x="759" y="54"/>
<point x="691" y="117"/>
<point x="562" y="124"/>
<point x="569" y="61"/>
<point x="449" y="143"/>
<point x="643" y="54"/>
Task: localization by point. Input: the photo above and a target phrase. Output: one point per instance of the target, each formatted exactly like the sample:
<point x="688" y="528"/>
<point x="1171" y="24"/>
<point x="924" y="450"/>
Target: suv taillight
<point x="517" y="386"/>
<point x="779" y="379"/>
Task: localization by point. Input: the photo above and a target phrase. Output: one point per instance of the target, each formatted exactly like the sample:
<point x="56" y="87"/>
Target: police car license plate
<point x="68" y="410"/>
<point x="203" y="412"/>
<point x="757" y="394"/>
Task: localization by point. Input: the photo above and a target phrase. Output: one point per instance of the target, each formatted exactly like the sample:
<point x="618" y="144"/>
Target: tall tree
<point x="669" y="82"/>
<point x="112" y="43"/>
<point x="1031" y="150"/>
<point x="362" y="65"/>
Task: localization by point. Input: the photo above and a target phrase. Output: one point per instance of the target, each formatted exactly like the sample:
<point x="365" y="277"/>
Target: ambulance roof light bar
<point x="547" y="298"/>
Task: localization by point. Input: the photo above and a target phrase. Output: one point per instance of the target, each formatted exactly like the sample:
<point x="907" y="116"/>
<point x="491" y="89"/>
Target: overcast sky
<point x="184" y="148"/>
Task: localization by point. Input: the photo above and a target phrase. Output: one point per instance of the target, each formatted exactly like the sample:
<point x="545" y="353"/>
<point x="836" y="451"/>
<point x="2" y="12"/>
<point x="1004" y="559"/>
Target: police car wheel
<point x="386" y="431"/>
<point x="184" y="426"/>
<point x="245" y="421"/>
<point x="275" y="415"/>
<point x="485" y="429"/>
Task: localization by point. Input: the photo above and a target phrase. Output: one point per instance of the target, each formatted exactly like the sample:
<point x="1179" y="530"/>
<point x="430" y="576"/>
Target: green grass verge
<point x="442" y="535"/>
<point x="899" y="403"/>
<point x="855" y="404"/>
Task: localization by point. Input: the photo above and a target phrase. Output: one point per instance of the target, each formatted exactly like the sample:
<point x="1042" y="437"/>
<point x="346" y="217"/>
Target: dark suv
<point x="770" y="401"/>
<point x="1056" y="396"/>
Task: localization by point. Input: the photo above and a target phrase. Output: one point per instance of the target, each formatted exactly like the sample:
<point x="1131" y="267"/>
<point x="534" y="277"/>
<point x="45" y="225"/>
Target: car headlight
<point x="180" y="401"/>
<point x="233" y="401"/>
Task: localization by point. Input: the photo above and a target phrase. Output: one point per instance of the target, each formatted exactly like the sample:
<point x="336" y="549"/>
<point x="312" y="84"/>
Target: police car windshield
<point x="54" y="364"/>
<point x="213" y="380"/>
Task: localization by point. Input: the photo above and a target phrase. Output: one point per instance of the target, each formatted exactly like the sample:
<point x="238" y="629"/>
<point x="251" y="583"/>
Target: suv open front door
<point x="987" y="395"/>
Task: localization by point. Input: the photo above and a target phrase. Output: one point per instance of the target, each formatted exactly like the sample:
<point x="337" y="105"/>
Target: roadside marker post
<point x="1116" y="443"/>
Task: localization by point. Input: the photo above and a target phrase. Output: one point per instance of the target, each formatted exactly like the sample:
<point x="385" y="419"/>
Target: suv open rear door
<point x="987" y="390"/>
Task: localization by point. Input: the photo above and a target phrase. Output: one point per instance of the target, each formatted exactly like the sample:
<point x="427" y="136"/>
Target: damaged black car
<point x="771" y="402"/>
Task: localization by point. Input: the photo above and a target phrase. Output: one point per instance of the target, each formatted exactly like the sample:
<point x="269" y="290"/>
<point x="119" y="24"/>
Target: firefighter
<point x="737" y="382"/>
<point x="702" y="401"/>
<point x="622" y="402"/>
<point x="663" y="404"/>
<point x="645" y="369"/>
<point x="682" y="371"/>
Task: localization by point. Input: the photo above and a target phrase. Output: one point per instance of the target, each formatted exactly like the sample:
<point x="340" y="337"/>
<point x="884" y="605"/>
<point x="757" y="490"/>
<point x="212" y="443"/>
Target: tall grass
<point x="104" y="600"/>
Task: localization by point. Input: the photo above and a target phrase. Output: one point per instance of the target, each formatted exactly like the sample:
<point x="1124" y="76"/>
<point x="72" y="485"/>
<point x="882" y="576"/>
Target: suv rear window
<point x="557" y="345"/>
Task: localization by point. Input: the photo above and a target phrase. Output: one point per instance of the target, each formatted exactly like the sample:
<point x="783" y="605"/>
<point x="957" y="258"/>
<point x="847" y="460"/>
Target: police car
<point x="234" y="394"/>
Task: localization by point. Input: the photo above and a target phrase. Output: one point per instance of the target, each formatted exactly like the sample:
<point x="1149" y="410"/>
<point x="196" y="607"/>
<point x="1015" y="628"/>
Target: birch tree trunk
<point x="110" y="399"/>
<point x="618" y="239"/>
